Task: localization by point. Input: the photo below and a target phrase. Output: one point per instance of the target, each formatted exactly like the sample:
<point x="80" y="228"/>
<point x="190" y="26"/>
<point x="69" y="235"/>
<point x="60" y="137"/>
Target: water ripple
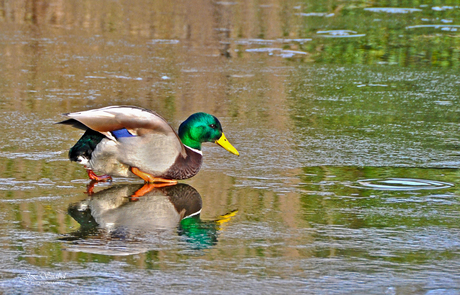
<point x="402" y="184"/>
<point x="392" y="9"/>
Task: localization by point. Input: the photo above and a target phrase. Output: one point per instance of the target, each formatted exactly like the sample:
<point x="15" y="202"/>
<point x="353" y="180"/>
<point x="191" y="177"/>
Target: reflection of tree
<point x="389" y="37"/>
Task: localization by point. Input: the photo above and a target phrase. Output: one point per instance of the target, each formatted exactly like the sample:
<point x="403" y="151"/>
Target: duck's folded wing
<point x="137" y="121"/>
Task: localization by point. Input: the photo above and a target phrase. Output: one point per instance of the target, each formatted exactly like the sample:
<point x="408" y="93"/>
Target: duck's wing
<point x="112" y="120"/>
<point x="135" y="119"/>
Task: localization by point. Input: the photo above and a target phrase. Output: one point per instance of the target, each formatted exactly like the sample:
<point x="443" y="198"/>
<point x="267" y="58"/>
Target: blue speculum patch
<point x="121" y="133"/>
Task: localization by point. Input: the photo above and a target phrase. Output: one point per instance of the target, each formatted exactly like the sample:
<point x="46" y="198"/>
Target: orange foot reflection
<point x="90" y="187"/>
<point x="147" y="188"/>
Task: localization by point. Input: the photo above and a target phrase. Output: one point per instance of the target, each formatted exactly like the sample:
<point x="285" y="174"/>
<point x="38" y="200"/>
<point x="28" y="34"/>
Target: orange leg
<point x="95" y="177"/>
<point x="150" y="179"/>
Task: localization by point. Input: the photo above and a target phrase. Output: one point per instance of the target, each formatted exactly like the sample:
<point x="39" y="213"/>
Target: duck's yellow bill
<point x="223" y="142"/>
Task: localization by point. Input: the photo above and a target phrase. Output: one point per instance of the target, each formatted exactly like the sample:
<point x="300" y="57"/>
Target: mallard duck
<point x="131" y="141"/>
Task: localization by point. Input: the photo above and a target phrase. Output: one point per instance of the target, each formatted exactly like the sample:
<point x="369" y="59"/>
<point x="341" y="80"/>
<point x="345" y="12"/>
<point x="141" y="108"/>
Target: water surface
<point x="340" y="112"/>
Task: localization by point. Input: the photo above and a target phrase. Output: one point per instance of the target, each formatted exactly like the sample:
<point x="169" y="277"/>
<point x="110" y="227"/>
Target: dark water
<point x="345" y="116"/>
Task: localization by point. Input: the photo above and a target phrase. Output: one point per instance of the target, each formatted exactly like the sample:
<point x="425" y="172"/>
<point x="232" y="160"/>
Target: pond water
<point x="345" y="116"/>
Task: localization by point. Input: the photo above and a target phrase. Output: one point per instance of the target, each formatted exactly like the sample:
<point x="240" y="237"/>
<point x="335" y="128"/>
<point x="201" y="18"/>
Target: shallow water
<point x="341" y="115"/>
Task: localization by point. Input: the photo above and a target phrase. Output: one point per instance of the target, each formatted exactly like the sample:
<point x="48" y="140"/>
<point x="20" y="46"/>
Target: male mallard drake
<point x="127" y="141"/>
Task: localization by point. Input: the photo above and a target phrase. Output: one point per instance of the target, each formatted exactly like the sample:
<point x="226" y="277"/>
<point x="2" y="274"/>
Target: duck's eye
<point x="213" y="126"/>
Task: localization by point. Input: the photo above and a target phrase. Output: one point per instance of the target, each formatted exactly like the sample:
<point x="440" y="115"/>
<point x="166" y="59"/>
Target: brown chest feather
<point x="185" y="167"/>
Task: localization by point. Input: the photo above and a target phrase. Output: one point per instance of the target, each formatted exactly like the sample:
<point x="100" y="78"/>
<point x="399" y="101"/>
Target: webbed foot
<point x="151" y="179"/>
<point x="95" y="177"/>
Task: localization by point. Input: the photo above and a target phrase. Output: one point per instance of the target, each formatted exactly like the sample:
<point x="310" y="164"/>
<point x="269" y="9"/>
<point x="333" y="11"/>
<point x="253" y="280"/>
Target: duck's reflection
<point x="137" y="215"/>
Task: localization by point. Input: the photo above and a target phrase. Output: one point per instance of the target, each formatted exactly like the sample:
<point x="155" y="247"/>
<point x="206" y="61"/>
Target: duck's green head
<point x="203" y="127"/>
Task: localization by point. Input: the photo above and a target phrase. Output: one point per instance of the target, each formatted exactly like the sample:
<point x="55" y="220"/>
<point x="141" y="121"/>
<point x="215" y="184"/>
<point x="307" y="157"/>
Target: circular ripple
<point x="402" y="184"/>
